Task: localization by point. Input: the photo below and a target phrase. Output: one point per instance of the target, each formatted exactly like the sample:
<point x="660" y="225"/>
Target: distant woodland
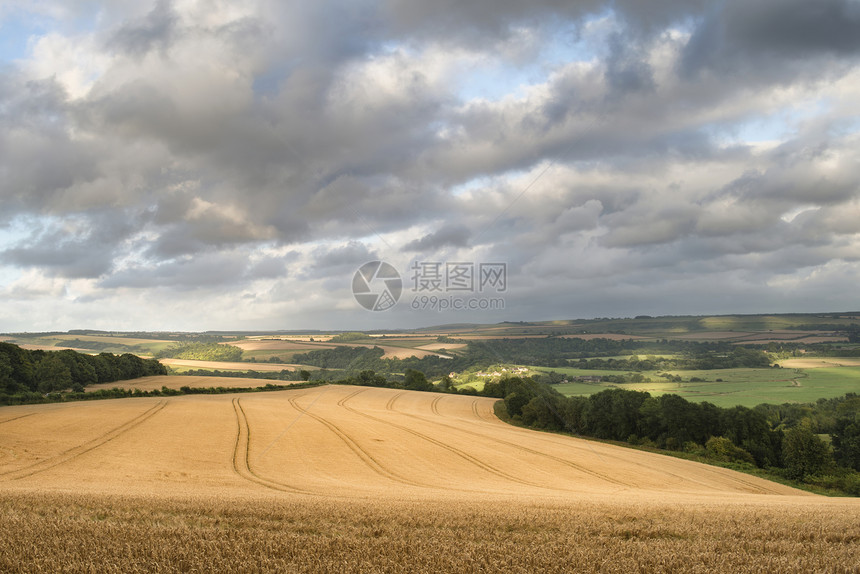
<point x="24" y="372"/>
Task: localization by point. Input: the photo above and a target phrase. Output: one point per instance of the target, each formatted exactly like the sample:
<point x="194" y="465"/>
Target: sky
<point x="210" y="165"/>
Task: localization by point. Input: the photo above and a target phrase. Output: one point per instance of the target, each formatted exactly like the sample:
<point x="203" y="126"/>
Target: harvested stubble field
<point x="353" y="479"/>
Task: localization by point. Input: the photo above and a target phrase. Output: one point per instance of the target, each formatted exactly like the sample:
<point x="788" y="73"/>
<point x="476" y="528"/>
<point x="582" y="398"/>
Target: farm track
<point x="461" y="453"/>
<point x="241" y="454"/>
<point x="73" y="453"/>
<point x="356" y="448"/>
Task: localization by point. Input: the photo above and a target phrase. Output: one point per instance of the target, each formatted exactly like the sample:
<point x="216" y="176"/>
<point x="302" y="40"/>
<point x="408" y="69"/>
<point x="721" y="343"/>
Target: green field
<point x="747" y="387"/>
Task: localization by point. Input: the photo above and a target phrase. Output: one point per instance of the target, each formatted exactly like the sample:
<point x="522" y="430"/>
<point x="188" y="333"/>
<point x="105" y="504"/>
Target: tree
<point x="846" y="443"/>
<point x="803" y="453"/>
<point x="52" y="374"/>
<point x="446" y="384"/>
<point x="723" y="449"/>
<point x="539" y="413"/>
<point x="7" y="383"/>
<point x="515" y="402"/>
<point x="416" y="381"/>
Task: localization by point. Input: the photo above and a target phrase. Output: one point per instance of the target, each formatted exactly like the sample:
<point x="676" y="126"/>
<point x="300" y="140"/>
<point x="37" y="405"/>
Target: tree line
<point x="25" y="371"/>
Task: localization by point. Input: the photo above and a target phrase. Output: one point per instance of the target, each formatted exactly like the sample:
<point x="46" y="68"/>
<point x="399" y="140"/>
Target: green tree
<point x="7" y="383"/>
<point x="722" y="449"/>
<point x="446" y="384"/>
<point x="846" y="443"/>
<point x="803" y="453"/>
<point x="52" y="374"/>
<point x="515" y="402"/>
<point x="416" y="381"/>
<point x="540" y="413"/>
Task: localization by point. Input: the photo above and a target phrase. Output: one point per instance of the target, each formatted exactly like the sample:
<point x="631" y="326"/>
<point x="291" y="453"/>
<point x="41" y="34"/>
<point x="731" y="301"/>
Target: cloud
<point x="69" y="248"/>
<point x="156" y="30"/>
<point x="626" y="152"/>
<point x="774" y="38"/>
<point x="447" y="235"/>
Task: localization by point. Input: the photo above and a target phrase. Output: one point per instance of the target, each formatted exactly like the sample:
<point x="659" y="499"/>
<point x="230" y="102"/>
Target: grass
<point x="746" y="387"/>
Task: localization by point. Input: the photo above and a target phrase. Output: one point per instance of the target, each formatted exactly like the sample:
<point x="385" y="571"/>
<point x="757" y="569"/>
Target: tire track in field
<point x="16" y="418"/>
<point x="389" y="406"/>
<point x="475" y="410"/>
<point x="75" y="452"/>
<point x="362" y="454"/>
<point x="462" y="454"/>
<point x="543" y="437"/>
<point x="759" y="489"/>
<point x="678" y="478"/>
<point x="563" y="461"/>
<point x="434" y="406"/>
<point x="241" y="455"/>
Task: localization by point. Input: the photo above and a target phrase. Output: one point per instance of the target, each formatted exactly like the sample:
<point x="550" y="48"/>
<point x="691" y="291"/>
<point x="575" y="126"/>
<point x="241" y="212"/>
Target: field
<point x="262" y="349"/>
<point x="345" y="479"/>
<point x="194" y="382"/>
<point x="746" y="387"/>
<point x="188" y="364"/>
<point x="108" y="343"/>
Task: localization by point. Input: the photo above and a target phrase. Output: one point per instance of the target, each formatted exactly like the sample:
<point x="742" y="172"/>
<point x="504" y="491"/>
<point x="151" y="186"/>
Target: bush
<point x="722" y="449"/>
<point x="847" y="482"/>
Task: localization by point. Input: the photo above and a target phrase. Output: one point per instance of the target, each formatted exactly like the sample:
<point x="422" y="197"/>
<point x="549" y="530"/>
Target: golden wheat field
<point x="354" y="479"/>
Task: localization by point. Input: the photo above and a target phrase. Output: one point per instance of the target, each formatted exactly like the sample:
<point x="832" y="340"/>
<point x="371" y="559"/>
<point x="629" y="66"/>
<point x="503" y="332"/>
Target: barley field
<point x="354" y="479"/>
